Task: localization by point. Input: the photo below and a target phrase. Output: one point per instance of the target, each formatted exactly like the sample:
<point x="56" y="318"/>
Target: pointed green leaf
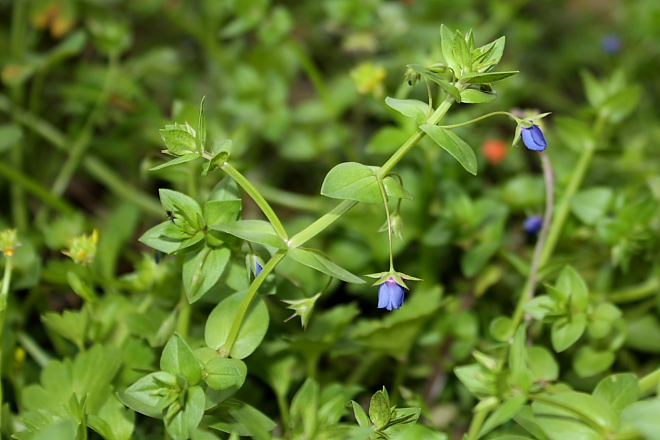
<point x="318" y="261"/>
<point x="449" y="88"/>
<point x="352" y="181"/>
<point x="251" y="333"/>
<point x="255" y="231"/>
<point x="454" y="145"/>
<point x="565" y="332"/>
<point x="181" y="159"/>
<point x="223" y="373"/>
<point x="412" y="108"/>
<point x="203" y="269"/>
<point x="486" y="78"/>
<point x="504" y="412"/>
<point x="178" y="142"/>
<point x="473" y="96"/>
<point x="178" y="358"/>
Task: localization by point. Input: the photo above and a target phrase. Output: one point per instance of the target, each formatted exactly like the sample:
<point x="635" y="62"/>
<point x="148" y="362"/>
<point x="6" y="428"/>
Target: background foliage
<point x="299" y="87"/>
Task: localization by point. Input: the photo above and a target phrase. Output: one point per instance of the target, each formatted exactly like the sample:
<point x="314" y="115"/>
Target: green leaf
<point x="242" y="419"/>
<point x="454" y="145"/>
<point x="436" y="78"/>
<point x="178" y="358"/>
<point x="573" y="287"/>
<point x="10" y="134"/>
<point x="643" y="416"/>
<point x="589" y="361"/>
<point x="621" y="104"/>
<point x="542" y="364"/>
<point x="476" y="379"/>
<point x="504" y="412"/>
<point x="360" y="415"/>
<point x="188" y="418"/>
<point x="476" y="258"/>
<point x="200" y="139"/>
<point x="304" y="407"/>
<point x="114" y="421"/>
<point x="159" y="238"/>
<point x="586" y="407"/>
<point x="178" y="142"/>
<point x="226" y="189"/>
<point x="619" y="390"/>
<point x="183" y="205"/>
<point x="448" y="48"/>
<point x="379" y="410"/>
<point x="412" y="108"/>
<point x="394" y="189"/>
<point x="501" y="328"/>
<point x="559" y="424"/>
<point x="223" y="373"/>
<point x="60" y="430"/>
<point x="565" y="332"/>
<point x="251" y="333"/>
<point x="181" y="159"/>
<point x="462" y="54"/>
<point x="486" y="78"/>
<point x="316" y="260"/>
<point x="526" y="419"/>
<point x="221" y="211"/>
<point x="474" y="96"/>
<point x="352" y="181"/>
<point x="203" y="269"/>
<point x="255" y="231"/>
<point x="520" y="375"/>
<point x="72" y="325"/>
<point x="577" y="135"/>
<point x="402" y="419"/>
<point x="590" y="205"/>
<point x="144" y="396"/>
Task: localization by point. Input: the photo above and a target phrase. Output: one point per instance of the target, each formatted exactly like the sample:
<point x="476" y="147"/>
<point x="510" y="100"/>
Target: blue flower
<point x="533" y="138"/>
<point x="611" y="44"/>
<point x="390" y="295"/>
<point x="533" y="224"/>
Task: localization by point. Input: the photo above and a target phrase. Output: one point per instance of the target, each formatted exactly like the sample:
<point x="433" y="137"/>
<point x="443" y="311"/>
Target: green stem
<point x="247" y="300"/>
<point x="637" y="292"/>
<point x="284" y="411"/>
<point x="463" y="124"/>
<point x="38" y="354"/>
<point x="4" y="293"/>
<point x="476" y="423"/>
<point x="389" y="223"/>
<point x="648" y="382"/>
<point x="292" y="200"/>
<point x="119" y="187"/>
<point x="258" y="199"/>
<point x="183" y="318"/>
<point x="563" y="209"/>
<point x="83" y="140"/>
<point x="530" y="285"/>
<point x="20" y="179"/>
<point x="341" y="209"/>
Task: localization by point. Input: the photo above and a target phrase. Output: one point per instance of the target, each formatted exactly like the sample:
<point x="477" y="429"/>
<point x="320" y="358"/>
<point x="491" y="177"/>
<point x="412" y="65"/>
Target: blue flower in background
<point x="611" y="44"/>
<point x="533" y="138"/>
<point x="533" y="224"/>
<point x="390" y="295"/>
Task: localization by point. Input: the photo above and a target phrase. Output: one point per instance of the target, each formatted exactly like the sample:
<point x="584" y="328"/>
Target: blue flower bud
<point x="390" y="295"/>
<point x="533" y="138"/>
<point x="533" y="224"/>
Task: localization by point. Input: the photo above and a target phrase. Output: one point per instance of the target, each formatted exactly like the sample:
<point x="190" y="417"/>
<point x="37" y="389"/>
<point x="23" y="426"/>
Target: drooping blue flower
<point x="390" y="295"/>
<point x="533" y="224"/>
<point x="533" y="138"/>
